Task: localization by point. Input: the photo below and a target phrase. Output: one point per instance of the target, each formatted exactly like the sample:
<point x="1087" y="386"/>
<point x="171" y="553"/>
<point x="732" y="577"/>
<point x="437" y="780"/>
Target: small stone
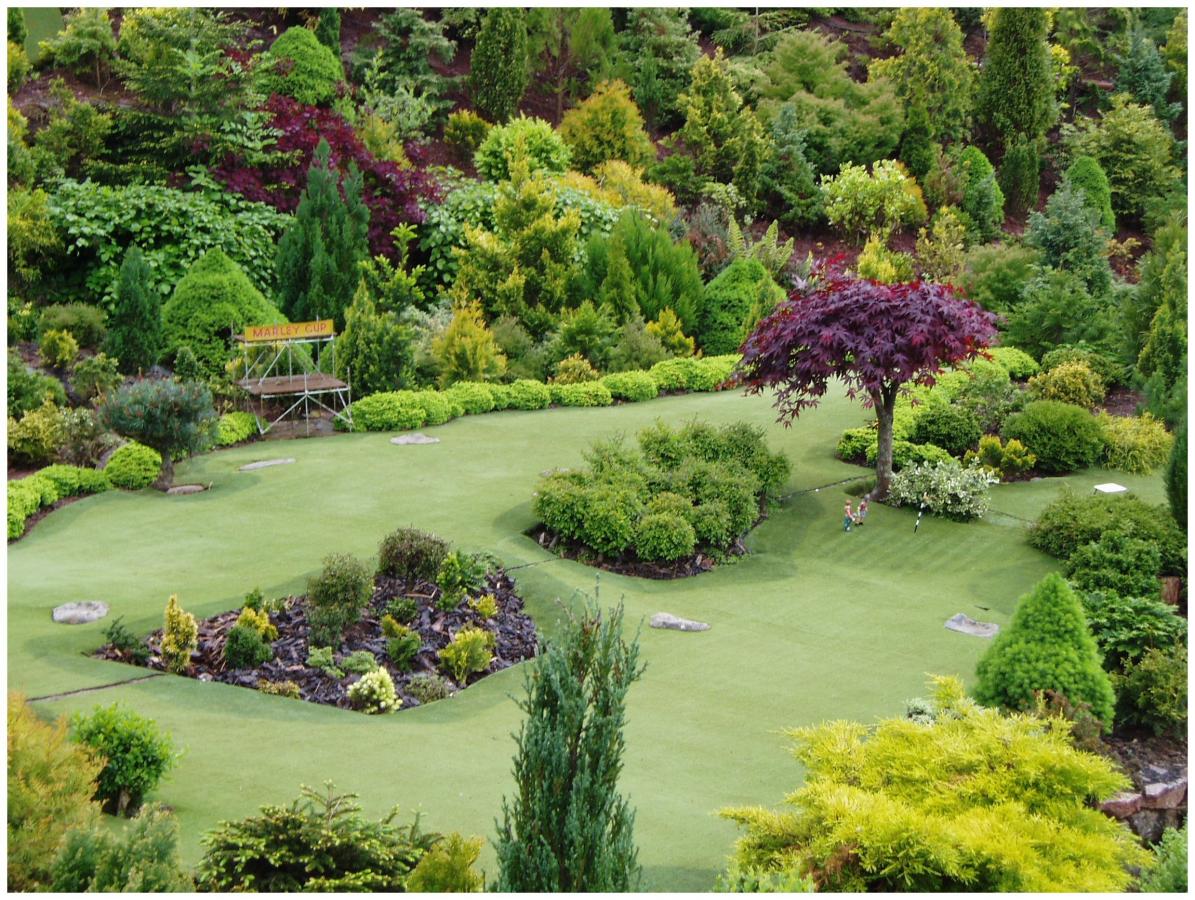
<point x="1166" y="794"/>
<point x="1148" y="824"/>
<point x="187" y="489"/>
<point x="667" y="620"/>
<point x="264" y="464"/>
<point x="964" y="624"/>
<point x="414" y="438"/>
<point x="1122" y="805"/>
<point x="80" y="612"/>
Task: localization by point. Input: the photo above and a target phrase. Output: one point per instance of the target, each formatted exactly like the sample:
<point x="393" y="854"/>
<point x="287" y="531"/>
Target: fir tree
<point x="659" y="51"/>
<point x="319" y="254"/>
<point x="1016" y="85"/>
<point x="1088" y="175"/>
<point x="1020" y="175"/>
<point x="1176" y="477"/>
<point x="1143" y="74"/>
<point x="788" y="174"/>
<point x="135" y="326"/>
<point x="327" y="30"/>
<point x="568" y="829"/>
<point x="618" y="293"/>
<point x="498" y="75"/>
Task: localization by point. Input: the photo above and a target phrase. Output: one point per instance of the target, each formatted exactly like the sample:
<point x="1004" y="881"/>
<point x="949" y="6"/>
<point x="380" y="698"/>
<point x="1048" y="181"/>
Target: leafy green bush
<point x="498" y="71"/>
<point x="469" y="651"/>
<point x="606" y="125"/>
<point x="133" y="467"/>
<point x="741" y="295"/>
<point x="545" y="149"/>
<point x="25" y="497"/>
<point x="39" y="435"/>
<point x="1107" y="367"/>
<point x="1152" y="692"/>
<point x="1019" y="364"/>
<point x="303" y="68"/>
<point x="585" y="393"/>
<point x="466" y="350"/>
<point x="373" y="693"/>
<point x="51" y="781"/>
<point x="973" y="800"/>
<point x="391" y="411"/>
<point x="906" y="453"/>
<point x="1063" y="437"/>
<point x="1047" y="647"/>
<point x="528" y="394"/>
<point x="428" y="687"/>
<point x="466" y="130"/>
<point x="438" y="406"/>
<point x="336" y="598"/>
<point x="995" y="274"/>
<point x="359" y="662"/>
<point x="693" y="374"/>
<point x="1086" y="174"/>
<point x="1116" y="562"/>
<point x="946" y="488"/>
<point x="72" y="481"/>
<point x="634" y="387"/>
<point x="878" y="203"/>
<point x="1138" y="444"/>
<point x="664" y="536"/>
<point x="458" y="574"/>
<point x="575" y="369"/>
<point x="402" y="644"/>
<point x="86" y="43"/>
<point x="448" y="867"/>
<point x="982" y="200"/>
<point x="58" y="349"/>
<point x="411" y="555"/>
<point x="235" y="427"/>
<point x="1068" y="234"/>
<point x="472" y="396"/>
<point x="27" y="390"/>
<point x="324" y="659"/>
<point x="1125" y="627"/>
<point x="84" y="323"/>
<point x="95" y="377"/>
<point x="1168" y="875"/>
<point x="1073" y="382"/>
<point x="144" y="859"/>
<point x="214" y="296"/>
<point x="1008" y="460"/>
<point x="953" y="429"/>
<point x="244" y="648"/>
<point x="1176" y="477"/>
<point x="318" y="843"/>
<point x="136" y="754"/>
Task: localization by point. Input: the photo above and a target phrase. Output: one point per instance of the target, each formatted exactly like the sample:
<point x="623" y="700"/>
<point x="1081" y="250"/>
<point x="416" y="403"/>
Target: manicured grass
<point x="814" y="624"/>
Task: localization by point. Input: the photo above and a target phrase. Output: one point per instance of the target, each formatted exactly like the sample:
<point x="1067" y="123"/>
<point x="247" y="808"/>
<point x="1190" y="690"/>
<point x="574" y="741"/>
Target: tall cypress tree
<point x="618" y="293"/>
<point x="318" y="256"/>
<point x="1176" y="477"/>
<point x="568" y="829"/>
<point x="1016" y="85"/>
<point x="498" y="69"/>
<point x="135" y="326"/>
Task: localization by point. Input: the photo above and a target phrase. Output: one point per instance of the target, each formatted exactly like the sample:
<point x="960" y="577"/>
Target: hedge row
<point x="404" y="410"/>
<point x="45" y="488"/>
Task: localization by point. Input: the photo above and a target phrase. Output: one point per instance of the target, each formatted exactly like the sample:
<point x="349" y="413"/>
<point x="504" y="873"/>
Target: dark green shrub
<point x="318" y="843"/>
<point x="982" y="199"/>
<point x="741" y="295"/>
<point x="428" y="687"/>
<point x="1152" y="692"/>
<point x="144" y="859"/>
<point x="1047" y="647"/>
<point x="1063" y="437"/>
<point x="1068" y="234"/>
<point x="303" y="68"/>
<point x="133" y="467"/>
<point x="995" y="274"/>
<point x="136" y="754"/>
<point x="1125" y="627"/>
<point x="359" y="662"/>
<point x="411" y="555"/>
<point x="458" y="574"/>
<point x="665" y="536"/>
<point x="1118" y="563"/>
<point x="95" y="377"/>
<point x="27" y="390"/>
<point x="327" y="29"/>
<point x="402" y="647"/>
<point x="1176" y="477"/>
<point x="244" y="648"/>
<point x="953" y="429"/>
<point x="916" y="146"/>
<point x="172" y="418"/>
<point x="1086" y="174"/>
<point x="1016" y="84"/>
<point x="1169" y="872"/>
<point x="609" y="520"/>
<point x="403" y="609"/>
<point x="498" y="72"/>
<point x="336" y="597"/>
<point x="1020" y="174"/>
<point x="84" y="323"/>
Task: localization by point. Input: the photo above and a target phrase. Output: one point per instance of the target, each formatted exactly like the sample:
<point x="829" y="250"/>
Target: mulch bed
<point x="513" y="630"/>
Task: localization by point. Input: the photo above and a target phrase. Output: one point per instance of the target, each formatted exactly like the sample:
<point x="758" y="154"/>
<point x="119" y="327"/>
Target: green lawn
<point x="814" y="624"/>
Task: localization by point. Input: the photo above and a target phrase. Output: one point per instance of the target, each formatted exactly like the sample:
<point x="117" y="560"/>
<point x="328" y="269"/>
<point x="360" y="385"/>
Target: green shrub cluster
<point x="582" y="393"/>
<point x="1008" y="460"/>
<point x="906" y="453"/>
<point x="373" y="693"/>
<point x="144" y="859"/>
<point x="411" y="555"/>
<point x="1063" y="437"/>
<point x="133" y="467"/>
<point x="740" y="295"/>
<point x="1126" y="627"/>
<point x="303" y="68"/>
<point x="45" y="488"/>
<point x="336" y="598"/>
<point x="136" y="754"/>
<point x="634" y="387"/>
<point x="696" y="486"/>
<point x="235" y="427"/>
<point x="1152" y="692"/>
<point x="1069" y="382"/>
<point x="1168" y="875"/>
<point x="469" y="651"/>
<point x="473" y="397"/>
<point x="946" y="487"/>
<point x="952" y="428"/>
<point x="1139" y="444"/>
<point x="82" y="322"/>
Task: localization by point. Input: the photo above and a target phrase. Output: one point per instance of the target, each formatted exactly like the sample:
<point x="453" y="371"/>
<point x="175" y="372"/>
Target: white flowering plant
<point x="946" y="488"/>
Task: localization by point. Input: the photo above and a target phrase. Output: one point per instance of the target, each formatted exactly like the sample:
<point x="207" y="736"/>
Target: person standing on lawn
<point x="861" y="513"/>
<point x="847" y="517"/>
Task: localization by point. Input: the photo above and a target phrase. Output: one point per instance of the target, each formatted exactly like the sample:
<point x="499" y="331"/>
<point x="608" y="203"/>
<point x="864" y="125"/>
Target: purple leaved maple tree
<point x="876" y="338"/>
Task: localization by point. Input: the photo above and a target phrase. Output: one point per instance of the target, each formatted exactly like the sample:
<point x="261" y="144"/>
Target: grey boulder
<point x="675" y="623"/>
<point x="80" y="612"/>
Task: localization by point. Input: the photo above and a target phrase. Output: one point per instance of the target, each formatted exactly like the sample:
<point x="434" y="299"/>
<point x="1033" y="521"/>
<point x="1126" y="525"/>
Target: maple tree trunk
<point x="885" y="409"/>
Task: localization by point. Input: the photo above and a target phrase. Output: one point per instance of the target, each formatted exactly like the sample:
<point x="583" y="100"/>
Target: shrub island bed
<point x="427" y="624"/>
<point x="678" y="506"/>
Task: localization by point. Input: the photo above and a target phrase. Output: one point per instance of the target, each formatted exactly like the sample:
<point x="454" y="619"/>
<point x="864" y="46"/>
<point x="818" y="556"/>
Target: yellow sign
<point x="289" y="331"/>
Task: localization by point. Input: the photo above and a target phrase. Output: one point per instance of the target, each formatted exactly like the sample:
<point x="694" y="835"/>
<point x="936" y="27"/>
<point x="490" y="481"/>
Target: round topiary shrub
<point x="634" y="387"/>
<point x="1069" y="382"/>
<point x="437" y="406"/>
<point x="335" y="598"/>
<point x="741" y="295"/>
<point x="609" y="520"/>
<point x="585" y="393"/>
<point x="545" y="148"/>
<point x="528" y="394"/>
<point x="411" y="555"/>
<point x="133" y="467"/>
<point x="389" y="411"/>
<point x="303" y="68"/>
<point x="952" y="428"/>
<point x="1063" y="437"/>
<point x="664" y="536"/>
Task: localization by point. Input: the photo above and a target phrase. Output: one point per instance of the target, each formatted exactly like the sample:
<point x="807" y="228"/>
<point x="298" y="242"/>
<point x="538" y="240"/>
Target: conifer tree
<point x="319" y="254"/>
<point x="375" y="349"/>
<point x="327" y="30"/>
<point x="1143" y="73"/>
<point x="916" y="148"/>
<point x="618" y="293"/>
<point x="1020" y="175"/>
<point x="1176" y="477"/>
<point x="135" y="326"/>
<point x="1016" y="85"/>
<point x="498" y="75"/>
<point x="568" y="829"/>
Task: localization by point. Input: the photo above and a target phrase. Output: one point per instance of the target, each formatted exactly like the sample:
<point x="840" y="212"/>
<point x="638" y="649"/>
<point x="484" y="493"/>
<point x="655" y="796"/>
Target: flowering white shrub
<point x="374" y="693"/>
<point x="947" y="488"/>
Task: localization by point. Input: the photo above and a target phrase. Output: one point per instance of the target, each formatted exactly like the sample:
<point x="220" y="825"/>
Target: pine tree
<point x="618" y="294"/>
<point x="498" y="75"/>
<point x="568" y="829"/>
<point x="318" y="256"/>
<point x="1016" y="85"/>
<point x="327" y="30"/>
<point x="1048" y="647"/>
<point x="1143" y="74"/>
<point x="135" y="326"/>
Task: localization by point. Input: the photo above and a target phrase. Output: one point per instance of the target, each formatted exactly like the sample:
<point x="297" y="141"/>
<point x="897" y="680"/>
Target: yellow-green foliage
<point x="575" y="369"/>
<point x="669" y="329"/>
<point x="448" y="867"/>
<point x="468" y="652"/>
<point x="287" y="689"/>
<point x="180" y="636"/>
<point x="51" y="781"/>
<point x="620" y="185"/>
<point x="259" y="621"/>
<point x="1069" y="382"/>
<point x="374" y="693"/>
<point x="1137" y="445"/>
<point x="977" y="801"/>
<point x="877" y="263"/>
<point x="58" y="349"/>
<point x="467" y="350"/>
<point x="485" y="606"/>
<point x="607" y="125"/>
<point x="1006" y="460"/>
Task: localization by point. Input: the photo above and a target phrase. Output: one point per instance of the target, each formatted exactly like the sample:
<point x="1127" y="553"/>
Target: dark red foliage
<point x="874" y="337"/>
<point x="391" y="193"/>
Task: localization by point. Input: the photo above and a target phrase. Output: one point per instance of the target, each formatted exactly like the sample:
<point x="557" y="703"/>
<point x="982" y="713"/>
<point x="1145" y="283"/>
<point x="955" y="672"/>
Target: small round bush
<point x="953" y="429"/>
<point x="1069" y="382"/>
<point x="411" y="555"/>
<point x="633" y="387"/>
<point x="528" y="394"/>
<point x="303" y="68"/>
<point x="437" y="406"/>
<point x="1135" y="444"/>
<point x="946" y="488"/>
<point x="609" y="520"/>
<point x="245" y="648"/>
<point x="607" y="125"/>
<point x="1016" y="362"/>
<point x="472" y="396"/>
<point x="137" y="754"/>
<point x="374" y="693"/>
<point x="740" y="295"/>
<point x="561" y="502"/>
<point x="673" y="374"/>
<point x="586" y="393"/>
<point x="388" y="411"/>
<point x="546" y="150"/>
<point x="465" y="130"/>
<point x="575" y="369"/>
<point x="133" y="467"/>
<point x="1110" y="370"/>
<point x="664" y="536"/>
<point x="712" y="524"/>
<point x="58" y="349"/>
<point x="1063" y="437"/>
<point x="428" y="687"/>
<point x="709" y="372"/>
<point x="235" y="427"/>
<point x="854" y="443"/>
<point x="85" y="323"/>
<point x="336" y="597"/>
<point x="1117" y="562"/>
